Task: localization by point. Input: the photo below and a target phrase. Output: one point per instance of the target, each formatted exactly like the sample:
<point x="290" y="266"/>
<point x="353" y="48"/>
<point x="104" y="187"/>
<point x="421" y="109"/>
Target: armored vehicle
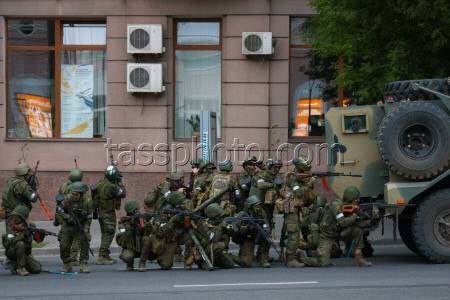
<point x="401" y="147"/>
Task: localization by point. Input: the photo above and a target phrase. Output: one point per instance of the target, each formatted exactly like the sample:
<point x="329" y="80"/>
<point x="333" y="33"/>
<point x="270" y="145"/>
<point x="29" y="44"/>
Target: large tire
<point x="414" y="140"/>
<point x="431" y="226"/>
<point x="401" y="90"/>
<point x="405" y="230"/>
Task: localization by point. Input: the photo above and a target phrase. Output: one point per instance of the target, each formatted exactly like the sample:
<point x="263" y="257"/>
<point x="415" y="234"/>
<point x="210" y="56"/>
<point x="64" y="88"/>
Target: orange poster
<point x="37" y="111"/>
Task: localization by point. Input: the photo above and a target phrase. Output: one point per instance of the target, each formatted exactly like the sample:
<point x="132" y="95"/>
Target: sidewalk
<point x="51" y="244"/>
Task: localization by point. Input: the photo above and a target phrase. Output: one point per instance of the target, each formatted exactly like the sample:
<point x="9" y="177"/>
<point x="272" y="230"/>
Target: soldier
<point x="169" y="227"/>
<point x="355" y="236"/>
<point x="309" y="226"/>
<point x="158" y="197"/>
<point x="332" y="223"/>
<point x="75" y="216"/>
<point x="203" y="182"/>
<point x="225" y="181"/>
<point x="17" y="242"/>
<point x="265" y="188"/>
<point x="195" y="164"/>
<point x="213" y="236"/>
<point x="108" y="194"/>
<point x="18" y="191"/>
<point x="247" y="234"/>
<point x="130" y="235"/>
<point x="64" y="190"/>
<point x="245" y="180"/>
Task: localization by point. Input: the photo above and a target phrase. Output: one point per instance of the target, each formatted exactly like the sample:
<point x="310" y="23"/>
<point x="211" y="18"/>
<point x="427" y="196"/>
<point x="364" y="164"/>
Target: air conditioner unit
<point x="145" y="39"/>
<point x="257" y="43"/>
<point x="145" y="78"/>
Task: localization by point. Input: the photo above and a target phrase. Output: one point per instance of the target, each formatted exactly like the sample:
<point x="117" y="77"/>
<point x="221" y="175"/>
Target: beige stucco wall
<point x="255" y="93"/>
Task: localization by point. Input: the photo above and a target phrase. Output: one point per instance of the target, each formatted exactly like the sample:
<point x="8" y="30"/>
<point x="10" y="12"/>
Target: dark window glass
<point x="31" y="32"/>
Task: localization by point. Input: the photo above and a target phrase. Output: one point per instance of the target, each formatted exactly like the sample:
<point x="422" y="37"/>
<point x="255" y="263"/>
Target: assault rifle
<point x="80" y="229"/>
<point x="33" y="182"/>
<point x="262" y="230"/>
<point x="334" y="174"/>
<point x="38" y="233"/>
<point x="213" y="199"/>
<point x="139" y="218"/>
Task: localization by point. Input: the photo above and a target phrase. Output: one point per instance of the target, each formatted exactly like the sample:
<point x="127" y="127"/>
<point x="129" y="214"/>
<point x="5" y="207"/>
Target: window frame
<point x="292" y="138"/>
<point x="176" y="46"/>
<point x="57" y="49"/>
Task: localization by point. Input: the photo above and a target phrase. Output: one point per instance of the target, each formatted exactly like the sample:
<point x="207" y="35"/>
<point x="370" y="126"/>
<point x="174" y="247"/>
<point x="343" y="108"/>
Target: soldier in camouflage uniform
<point x="245" y="180"/>
<point x="356" y="236"/>
<point x="309" y="225"/>
<point x="131" y="230"/>
<point x="247" y="236"/>
<point x="75" y="216"/>
<point x="195" y="164"/>
<point x="18" y="191"/>
<point x="213" y="236"/>
<point x="203" y="182"/>
<point x="64" y="190"/>
<point x="223" y="180"/>
<point x="335" y="225"/>
<point x="17" y="242"/>
<point x="169" y="229"/>
<point x="108" y="194"/>
<point x="158" y="197"/>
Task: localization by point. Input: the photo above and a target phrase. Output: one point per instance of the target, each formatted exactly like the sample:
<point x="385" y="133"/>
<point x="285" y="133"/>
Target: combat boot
<point x="75" y="263"/>
<point x="142" y="267"/>
<point x="22" y="272"/>
<point x="67" y="268"/>
<point x="360" y="261"/>
<point x="130" y="266"/>
<point x="84" y="268"/>
<point x="292" y="262"/>
<point x="105" y="260"/>
<point x="264" y="263"/>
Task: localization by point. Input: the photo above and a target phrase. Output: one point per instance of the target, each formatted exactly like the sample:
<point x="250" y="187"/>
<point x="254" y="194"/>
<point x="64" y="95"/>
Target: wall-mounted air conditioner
<point x="145" y="39"/>
<point x="145" y="78"/>
<point x="257" y="43"/>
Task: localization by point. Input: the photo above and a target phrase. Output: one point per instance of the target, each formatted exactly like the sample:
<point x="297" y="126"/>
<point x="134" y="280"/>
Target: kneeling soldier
<point x="17" y="242"/>
<point x="75" y="215"/>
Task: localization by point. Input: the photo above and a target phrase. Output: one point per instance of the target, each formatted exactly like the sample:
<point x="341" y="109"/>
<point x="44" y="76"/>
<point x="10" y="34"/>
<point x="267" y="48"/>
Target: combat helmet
<point x="175" y="176"/>
<point x="214" y="210"/>
<point x="112" y="172"/>
<point x="22" y="169"/>
<point x="351" y="194"/>
<point x="252" y="160"/>
<point x="301" y="164"/>
<point x="206" y="164"/>
<point x="21" y="211"/>
<point x="176" y="198"/>
<point x="75" y="175"/>
<point x="131" y="206"/>
<point x="252" y="200"/>
<point x="78" y="187"/>
<point x="226" y="165"/>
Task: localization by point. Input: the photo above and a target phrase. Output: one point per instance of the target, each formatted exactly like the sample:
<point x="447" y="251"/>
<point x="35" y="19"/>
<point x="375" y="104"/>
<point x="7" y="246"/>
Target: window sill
<point x="307" y="139"/>
<point x="92" y="140"/>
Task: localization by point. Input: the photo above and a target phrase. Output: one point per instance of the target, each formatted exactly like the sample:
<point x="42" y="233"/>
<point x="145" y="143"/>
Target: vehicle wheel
<point x="401" y="90"/>
<point x="404" y="227"/>
<point x="414" y="140"/>
<point x="431" y="227"/>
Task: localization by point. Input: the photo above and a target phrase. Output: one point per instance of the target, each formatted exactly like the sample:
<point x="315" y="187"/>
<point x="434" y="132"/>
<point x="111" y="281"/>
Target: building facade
<point x="63" y="86"/>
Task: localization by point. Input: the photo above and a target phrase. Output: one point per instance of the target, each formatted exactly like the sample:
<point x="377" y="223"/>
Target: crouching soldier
<point x="132" y="229"/>
<point x="214" y="238"/>
<point x="331" y="224"/>
<point x="17" y="242"/>
<point x="168" y="231"/>
<point x="248" y="226"/>
<point x="75" y="216"/>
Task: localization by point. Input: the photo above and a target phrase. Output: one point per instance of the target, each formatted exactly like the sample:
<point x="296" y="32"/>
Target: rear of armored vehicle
<point x="402" y="151"/>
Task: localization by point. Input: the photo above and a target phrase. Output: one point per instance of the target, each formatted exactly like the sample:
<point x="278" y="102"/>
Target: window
<point x="306" y="105"/>
<point x="197" y="75"/>
<point x="56" y="84"/>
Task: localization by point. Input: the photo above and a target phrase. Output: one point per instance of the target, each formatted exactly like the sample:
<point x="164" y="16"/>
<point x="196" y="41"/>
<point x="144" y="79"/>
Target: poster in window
<point x="77" y="85"/>
<point x="37" y="111"/>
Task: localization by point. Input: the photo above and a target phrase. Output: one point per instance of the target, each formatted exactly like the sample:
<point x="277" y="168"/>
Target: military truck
<point x="401" y="147"/>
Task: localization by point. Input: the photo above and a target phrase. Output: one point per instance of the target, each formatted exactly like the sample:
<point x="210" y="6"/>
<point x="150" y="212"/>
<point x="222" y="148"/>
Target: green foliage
<point x="194" y="121"/>
<point x="382" y="41"/>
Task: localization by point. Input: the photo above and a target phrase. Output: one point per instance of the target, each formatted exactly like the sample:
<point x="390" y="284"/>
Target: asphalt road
<point x="396" y="274"/>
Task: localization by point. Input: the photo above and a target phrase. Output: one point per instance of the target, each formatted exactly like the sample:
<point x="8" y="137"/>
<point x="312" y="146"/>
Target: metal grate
<point x="139" y="77"/>
<point x="253" y="43"/>
<point x="139" y="38"/>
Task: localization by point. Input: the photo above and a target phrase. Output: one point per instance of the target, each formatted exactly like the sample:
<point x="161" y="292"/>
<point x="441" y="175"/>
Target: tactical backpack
<point x="220" y="183"/>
